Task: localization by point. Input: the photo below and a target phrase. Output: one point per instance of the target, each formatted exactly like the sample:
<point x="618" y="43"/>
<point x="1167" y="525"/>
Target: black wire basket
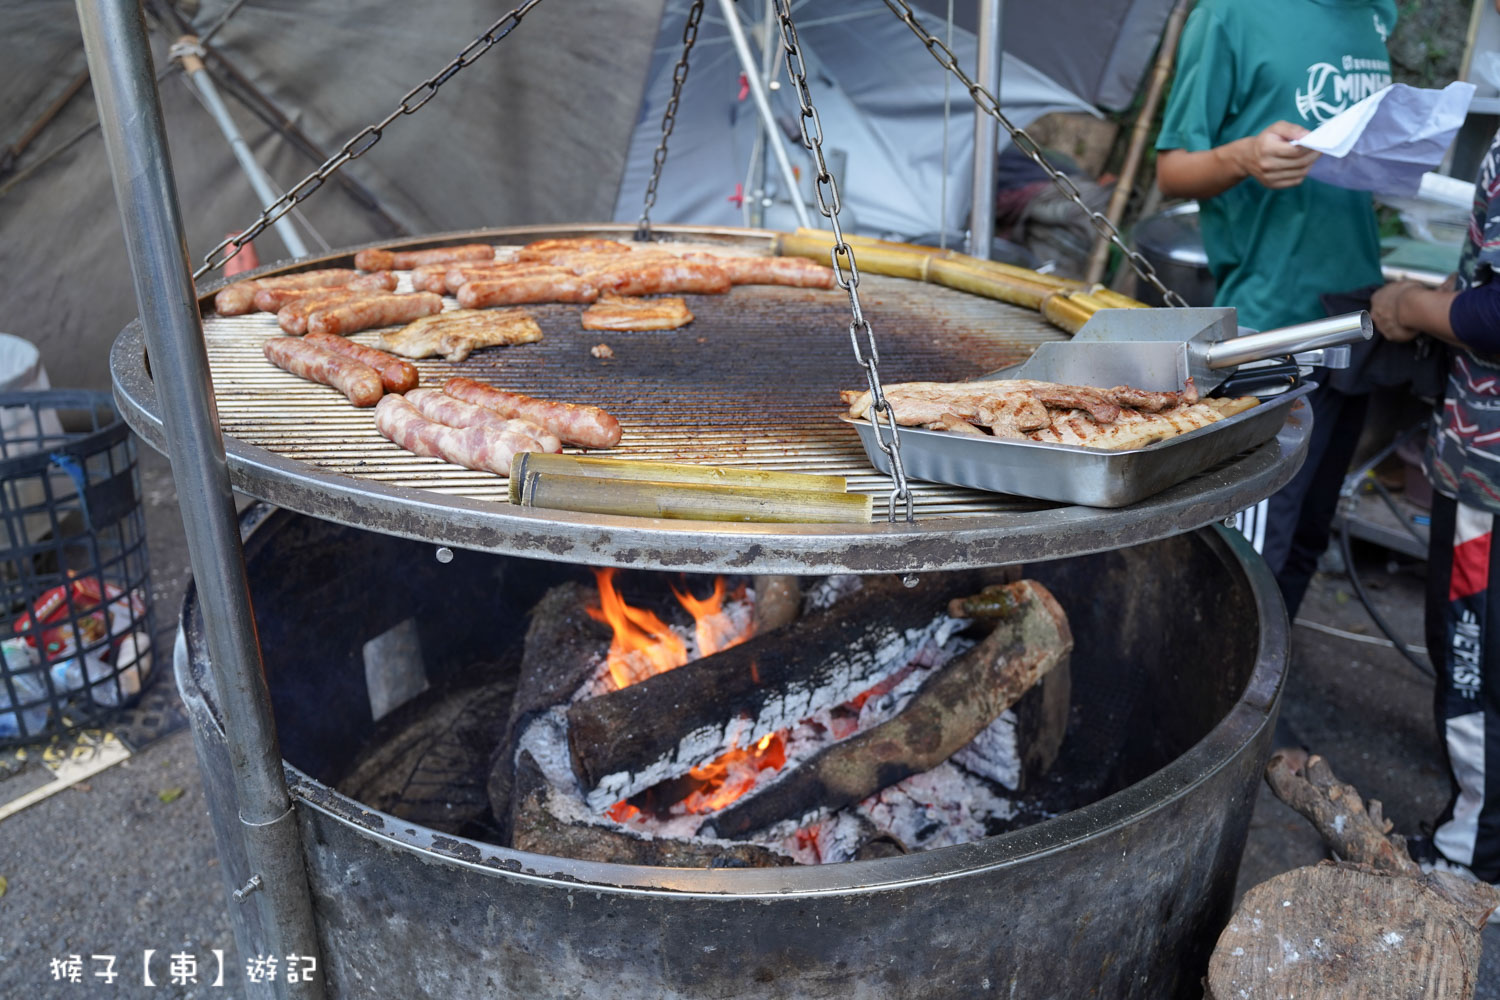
<point x="77" y="630"/>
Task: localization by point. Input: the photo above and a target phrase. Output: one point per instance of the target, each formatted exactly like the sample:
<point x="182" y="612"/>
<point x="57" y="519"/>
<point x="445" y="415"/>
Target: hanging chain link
<point x="364" y="140"/>
<point x="987" y="103"/>
<point x="669" y="118"/>
<point x="845" y="271"/>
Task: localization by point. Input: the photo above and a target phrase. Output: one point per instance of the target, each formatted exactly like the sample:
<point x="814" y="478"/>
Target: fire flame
<point x="643" y="645"/>
<point x="734" y="773"/>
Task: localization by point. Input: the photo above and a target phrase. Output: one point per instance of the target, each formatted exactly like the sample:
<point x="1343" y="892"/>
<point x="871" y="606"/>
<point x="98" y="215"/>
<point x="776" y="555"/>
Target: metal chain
<point x="827" y="191"/>
<point x="364" y="140"/>
<point x="669" y="118"/>
<point x="1026" y="144"/>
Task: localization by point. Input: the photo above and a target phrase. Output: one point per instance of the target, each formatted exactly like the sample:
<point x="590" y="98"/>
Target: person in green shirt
<point x="1252" y="76"/>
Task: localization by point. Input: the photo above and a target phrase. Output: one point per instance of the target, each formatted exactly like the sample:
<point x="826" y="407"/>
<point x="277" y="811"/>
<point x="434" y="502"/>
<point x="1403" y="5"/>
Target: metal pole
<point x="987" y="75"/>
<point x="190" y="53"/>
<point x="774" y="138"/>
<point x="119" y="55"/>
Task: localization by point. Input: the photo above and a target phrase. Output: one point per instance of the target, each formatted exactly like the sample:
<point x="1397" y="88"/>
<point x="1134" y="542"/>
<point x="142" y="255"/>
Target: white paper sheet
<point x="1387" y="141"/>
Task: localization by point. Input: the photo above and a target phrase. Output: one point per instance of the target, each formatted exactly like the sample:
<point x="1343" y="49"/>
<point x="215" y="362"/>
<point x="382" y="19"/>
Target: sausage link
<point x="483" y="449"/>
<point x="292" y="317"/>
<point x="239" y="298"/>
<point x="799" y="272"/>
<point x="396" y="375"/>
<point x="557" y="286"/>
<point x="405" y="260"/>
<point x="355" y="379"/>
<point x="272" y="299"/>
<point x="455" y="412"/>
<point x="662" y="277"/>
<point x="584" y="426"/>
<point x="344" y="318"/>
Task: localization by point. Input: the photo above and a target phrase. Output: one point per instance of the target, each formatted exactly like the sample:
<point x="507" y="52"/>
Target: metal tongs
<point x="1159" y="349"/>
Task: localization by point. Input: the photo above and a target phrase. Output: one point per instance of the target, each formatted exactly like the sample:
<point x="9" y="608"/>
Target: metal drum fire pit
<point x="1181" y="652"/>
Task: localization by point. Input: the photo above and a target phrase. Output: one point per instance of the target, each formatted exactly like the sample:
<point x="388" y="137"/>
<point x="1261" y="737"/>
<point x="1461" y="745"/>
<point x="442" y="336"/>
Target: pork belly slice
<point x="457" y="334"/>
<point x="623" y="312"/>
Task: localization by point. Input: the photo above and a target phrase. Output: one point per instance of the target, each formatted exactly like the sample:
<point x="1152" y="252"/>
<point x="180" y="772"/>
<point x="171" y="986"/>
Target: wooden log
<point x="1357" y="832"/>
<point x="629" y="740"/>
<point x="1337" y="931"/>
<point x="684" y="501"/>
<point x="539" y="830"/>
<point x="953" y="706"/>
<point x="562" y="646"/>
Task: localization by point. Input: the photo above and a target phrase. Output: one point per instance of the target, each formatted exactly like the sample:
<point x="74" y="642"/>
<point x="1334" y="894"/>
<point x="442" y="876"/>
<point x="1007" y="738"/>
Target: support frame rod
<point x="986" y="131"/>
<point x="774" y="139"/>
<point x="129" y="105"/>
<point x="189" y="53"/>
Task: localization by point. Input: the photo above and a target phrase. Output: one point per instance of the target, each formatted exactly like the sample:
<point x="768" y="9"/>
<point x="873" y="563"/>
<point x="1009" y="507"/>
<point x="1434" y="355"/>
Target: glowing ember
<point x="643" y="645"/>
<point x="734" y="774"/>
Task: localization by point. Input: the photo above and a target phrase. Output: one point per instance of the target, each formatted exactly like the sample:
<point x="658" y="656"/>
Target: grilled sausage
<point x="481" y="448"/>
<point x="459" y="275"/>
<point x="354" y="379"/>
<point x="395" y="375"/>
<point x="405" y="260"/>
<point x="239" y="298"/>
<point x="455" y="412"/>
<point x="584" y="426"/>
<point x="661" y="277"/>
<point x="292" y="317"/>
<point x="344" y="318"/>
<point x="798" y="272"/>
<point x="272" y="299"/>
<point x="554" y="285"/>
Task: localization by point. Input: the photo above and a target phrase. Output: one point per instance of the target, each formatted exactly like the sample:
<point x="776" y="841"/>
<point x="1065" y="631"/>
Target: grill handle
<point x="1330" y="332"/>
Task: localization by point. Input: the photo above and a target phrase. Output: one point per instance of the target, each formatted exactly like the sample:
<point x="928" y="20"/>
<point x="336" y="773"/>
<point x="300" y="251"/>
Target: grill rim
<point x="931" y="544"/>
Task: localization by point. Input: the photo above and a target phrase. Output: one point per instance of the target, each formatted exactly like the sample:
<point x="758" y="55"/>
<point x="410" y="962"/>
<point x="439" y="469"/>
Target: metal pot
<point x="1181" y="651"/>
<point x="1173" y="243"/>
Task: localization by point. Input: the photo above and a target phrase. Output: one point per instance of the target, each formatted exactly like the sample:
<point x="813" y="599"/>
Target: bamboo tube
<point x="895" y="261"/>
<point x="591" y="467"/>
<point x="640" y="498"/>
<point x="960" y="275"/>
<point x="908" y="260"/>
<point x="1091" y="301"/>
<point x="1065" y="314"/>
<point x="1115" y="300"/>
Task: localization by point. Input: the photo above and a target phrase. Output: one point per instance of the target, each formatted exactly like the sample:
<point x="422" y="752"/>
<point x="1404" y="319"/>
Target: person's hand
<point x="1271" y="158"/>
<point x="1385" y="308"/>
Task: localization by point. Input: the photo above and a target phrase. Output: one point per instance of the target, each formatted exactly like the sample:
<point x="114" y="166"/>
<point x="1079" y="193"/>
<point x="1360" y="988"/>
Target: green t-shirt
<point x="1243" y="65"/>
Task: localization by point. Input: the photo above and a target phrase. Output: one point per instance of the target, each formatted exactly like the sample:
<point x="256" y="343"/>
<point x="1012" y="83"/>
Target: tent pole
<point x="189" y="53"/>
<point x="774" y="138"/>
<point x="987" y="75"/>
<point x="119" y="56"/>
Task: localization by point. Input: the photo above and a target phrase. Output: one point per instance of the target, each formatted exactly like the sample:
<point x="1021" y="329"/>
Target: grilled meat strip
<point x="1133" y="429"/>
<point x="557" y="250"/>
<point x="455" y="412"/>
<point x="344" y="318"/>
<point x="355" y="379"/>
<point x="584" y="426"/>
<point x="1154" y="402"/>
<point x="483" y="449"/>
<point x="405" y="260"/>
<point x="457" y="334"/>
<point x="395" y="375"/>
<point x="618" y="312"/>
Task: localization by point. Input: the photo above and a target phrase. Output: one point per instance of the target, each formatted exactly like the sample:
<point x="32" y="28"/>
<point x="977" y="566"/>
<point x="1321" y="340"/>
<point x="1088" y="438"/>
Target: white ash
<point x="996" y="752"/>
<point x="830" y="590"/>
<point x="879" y="653"/>
<point x="938" y="808"/>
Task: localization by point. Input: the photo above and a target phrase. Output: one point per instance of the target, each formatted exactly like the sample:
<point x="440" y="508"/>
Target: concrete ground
<point x="124" y="861"/>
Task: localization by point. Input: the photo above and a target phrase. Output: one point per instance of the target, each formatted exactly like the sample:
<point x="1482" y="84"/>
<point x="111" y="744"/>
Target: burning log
<point x="540" y="828"/>
<point x="563" y="642"/>
<point x="954" y="705"/>
<point x="665" y="725"/>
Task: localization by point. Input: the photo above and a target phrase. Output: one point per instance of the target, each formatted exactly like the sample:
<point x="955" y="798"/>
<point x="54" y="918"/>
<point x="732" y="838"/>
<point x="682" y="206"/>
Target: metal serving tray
<point x="1071" y="474"/>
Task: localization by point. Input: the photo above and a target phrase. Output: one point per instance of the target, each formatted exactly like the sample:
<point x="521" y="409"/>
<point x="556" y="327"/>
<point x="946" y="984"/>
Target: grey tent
<point x="546" y="128"/>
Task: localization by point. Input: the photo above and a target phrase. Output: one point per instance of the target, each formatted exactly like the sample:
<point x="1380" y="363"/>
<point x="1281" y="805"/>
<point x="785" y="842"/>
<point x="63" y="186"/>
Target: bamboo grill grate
<point x="753" y="381"/>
